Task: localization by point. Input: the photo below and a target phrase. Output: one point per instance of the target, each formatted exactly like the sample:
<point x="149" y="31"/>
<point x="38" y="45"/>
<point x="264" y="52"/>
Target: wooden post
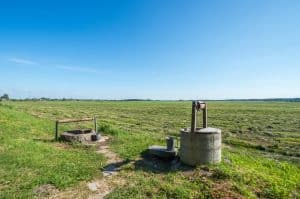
<point x="194" y="117"/>
<point x="56" y="130"/>
<point x="205" y="116"/>
<point x="95" y="124"/>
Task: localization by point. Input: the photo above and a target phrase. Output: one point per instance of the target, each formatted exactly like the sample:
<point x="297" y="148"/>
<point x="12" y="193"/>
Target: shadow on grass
<point x="116" y="165"/>
<point x="154" y="164"/>
<point x="150" y="163"/>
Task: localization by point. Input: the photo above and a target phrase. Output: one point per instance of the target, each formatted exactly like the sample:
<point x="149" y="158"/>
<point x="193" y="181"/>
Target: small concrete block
<point x="161" y="151"/>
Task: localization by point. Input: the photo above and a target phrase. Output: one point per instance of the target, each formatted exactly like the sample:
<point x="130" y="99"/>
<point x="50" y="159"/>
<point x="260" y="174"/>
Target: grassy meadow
<point x="260" y="157"/>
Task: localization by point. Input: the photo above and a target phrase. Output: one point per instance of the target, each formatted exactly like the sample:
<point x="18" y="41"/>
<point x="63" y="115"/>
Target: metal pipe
<point x="170" y="143"/>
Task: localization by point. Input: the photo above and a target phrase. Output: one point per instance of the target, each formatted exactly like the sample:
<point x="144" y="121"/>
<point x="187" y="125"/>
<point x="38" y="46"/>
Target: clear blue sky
<point x="158" y="49"/>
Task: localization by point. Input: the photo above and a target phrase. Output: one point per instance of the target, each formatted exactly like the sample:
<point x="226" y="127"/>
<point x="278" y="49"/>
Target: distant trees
<point x="4" y="97"/>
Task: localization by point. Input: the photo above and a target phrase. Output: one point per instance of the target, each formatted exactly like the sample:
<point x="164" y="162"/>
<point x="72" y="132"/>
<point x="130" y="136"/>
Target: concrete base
<point x="84" y="135"/>
<point x="162" y="152"/>
<point x="201" y="147"/>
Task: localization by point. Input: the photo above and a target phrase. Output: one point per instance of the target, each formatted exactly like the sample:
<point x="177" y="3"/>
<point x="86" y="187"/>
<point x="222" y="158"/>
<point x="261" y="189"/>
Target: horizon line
<point x="141" y="99"/>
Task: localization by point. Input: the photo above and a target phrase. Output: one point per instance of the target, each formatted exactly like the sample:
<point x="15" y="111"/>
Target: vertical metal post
<point x="56" y="130"/>
<point x="170" y="143"/>
<point x="205" y="116"/>
<point x="95" y="124"/>
<point x="194" y="117"/>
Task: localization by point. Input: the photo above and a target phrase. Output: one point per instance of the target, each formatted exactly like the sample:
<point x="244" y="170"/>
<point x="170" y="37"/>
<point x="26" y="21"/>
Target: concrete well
<point x="78" y="135"/>
<point x="203" y="146"/>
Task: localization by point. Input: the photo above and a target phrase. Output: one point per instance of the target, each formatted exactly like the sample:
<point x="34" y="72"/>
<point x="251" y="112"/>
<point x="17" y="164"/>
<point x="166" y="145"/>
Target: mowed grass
<point x="29" y="158"/>
<point x="260" y="153"/>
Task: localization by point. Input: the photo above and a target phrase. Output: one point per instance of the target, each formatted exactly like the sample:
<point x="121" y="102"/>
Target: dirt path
<point x="95" y="189"/>
<point x="101" y="187"/>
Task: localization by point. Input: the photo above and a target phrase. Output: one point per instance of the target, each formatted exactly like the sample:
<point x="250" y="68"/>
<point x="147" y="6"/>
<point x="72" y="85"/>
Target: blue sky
<point x="158" y="49"/>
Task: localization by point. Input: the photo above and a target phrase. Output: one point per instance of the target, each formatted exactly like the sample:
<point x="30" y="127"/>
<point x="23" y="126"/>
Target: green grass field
<point x="261" y="148"/>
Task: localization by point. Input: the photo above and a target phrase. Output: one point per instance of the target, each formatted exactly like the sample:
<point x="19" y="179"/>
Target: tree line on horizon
<point x="6" y="97"/>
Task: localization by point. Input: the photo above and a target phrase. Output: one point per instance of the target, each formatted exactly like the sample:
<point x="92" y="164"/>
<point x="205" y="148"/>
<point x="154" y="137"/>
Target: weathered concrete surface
<point x="201" y="147"/>
<point x="84" y="135"/>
